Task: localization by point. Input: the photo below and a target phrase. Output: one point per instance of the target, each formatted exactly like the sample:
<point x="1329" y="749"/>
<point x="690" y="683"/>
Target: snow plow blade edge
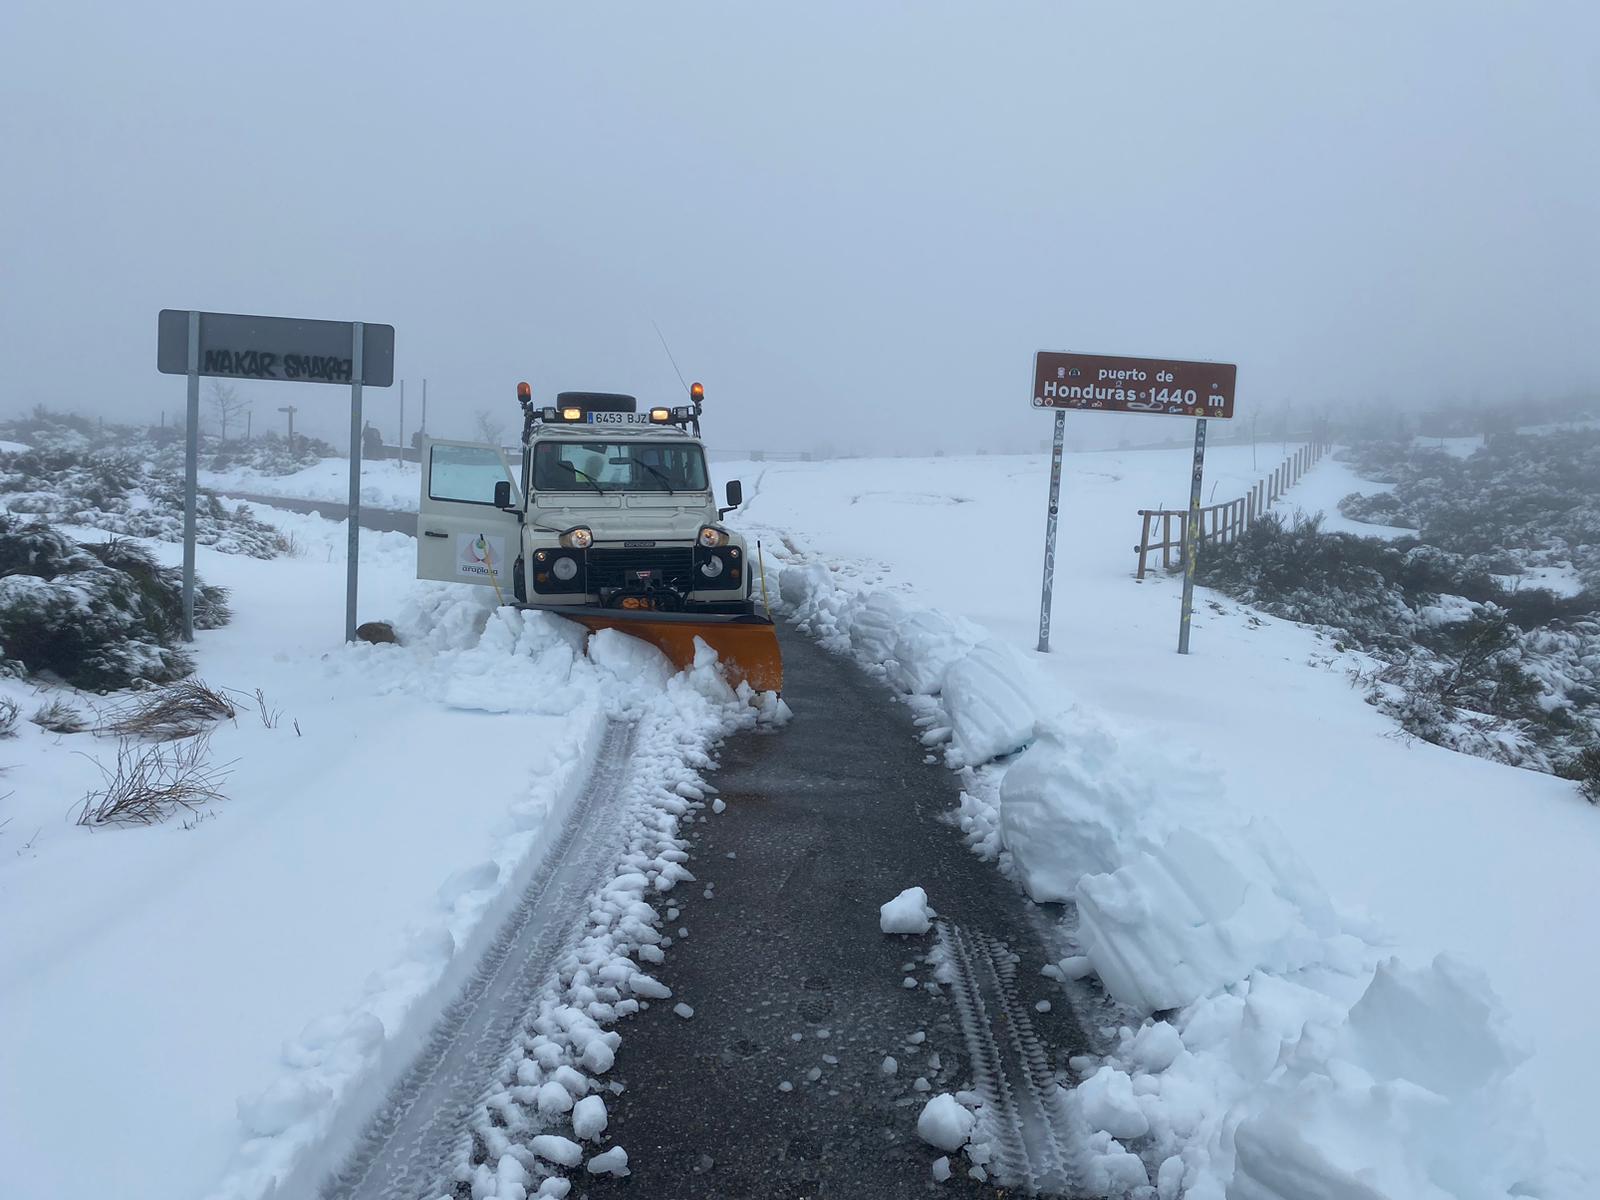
<point x="747" y="646"/>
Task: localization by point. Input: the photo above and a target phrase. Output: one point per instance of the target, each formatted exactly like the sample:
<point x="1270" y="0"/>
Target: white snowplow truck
<point x="608" y="519"/>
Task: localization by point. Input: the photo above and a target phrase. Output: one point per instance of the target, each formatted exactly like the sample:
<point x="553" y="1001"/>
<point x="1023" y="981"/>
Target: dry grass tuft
<point x="59" y="717"/>
<point x="150" y="783"/>
<point x="181" y="710"/>
<point x="9" y="712"/>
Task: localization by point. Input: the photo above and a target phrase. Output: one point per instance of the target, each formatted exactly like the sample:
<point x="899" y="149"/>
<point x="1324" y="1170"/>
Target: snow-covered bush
<point x="121" y="492"/>
<point x="1465" y="662"/>
<point x="99" y="616"/>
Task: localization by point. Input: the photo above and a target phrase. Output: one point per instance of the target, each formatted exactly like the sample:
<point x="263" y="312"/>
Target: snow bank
<point x="1297" y="1063"/>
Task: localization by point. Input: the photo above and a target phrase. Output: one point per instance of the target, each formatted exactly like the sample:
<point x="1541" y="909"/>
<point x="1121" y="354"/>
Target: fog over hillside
<point x="879" y="213"/>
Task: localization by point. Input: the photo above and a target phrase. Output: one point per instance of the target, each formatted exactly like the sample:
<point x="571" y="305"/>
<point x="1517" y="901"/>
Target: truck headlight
<point x="579" y="537"/>
<point x="564" y="568"/>
<point x="711" y="537"/>
<point x="712" y="567"/>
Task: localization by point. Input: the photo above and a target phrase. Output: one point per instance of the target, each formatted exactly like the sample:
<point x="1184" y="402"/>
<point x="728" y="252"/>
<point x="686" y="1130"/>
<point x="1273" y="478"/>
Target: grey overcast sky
<point x="854" y="221"/>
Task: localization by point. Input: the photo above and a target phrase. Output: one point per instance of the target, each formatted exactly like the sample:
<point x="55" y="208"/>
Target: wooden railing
<point x="1221" y="523"/>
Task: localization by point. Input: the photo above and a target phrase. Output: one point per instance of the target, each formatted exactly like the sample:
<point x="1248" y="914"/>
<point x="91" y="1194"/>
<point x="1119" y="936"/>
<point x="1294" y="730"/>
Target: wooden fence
<point x="1221" y="523"/>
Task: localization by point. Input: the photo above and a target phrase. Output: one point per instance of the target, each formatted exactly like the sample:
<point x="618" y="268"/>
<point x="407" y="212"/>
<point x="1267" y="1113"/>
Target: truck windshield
<point x="618" y="467"/>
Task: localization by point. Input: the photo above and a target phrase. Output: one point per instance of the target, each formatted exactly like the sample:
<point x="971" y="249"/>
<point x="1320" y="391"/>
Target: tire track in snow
<point x="1023" y="1118"/>
<point x="424" y="1127"/>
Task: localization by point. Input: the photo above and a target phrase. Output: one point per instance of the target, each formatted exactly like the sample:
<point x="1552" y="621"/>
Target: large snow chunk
<point x="874" y="625"/>
<point x="945" y="1123"/>
<point x="1200" y="912"/>
<point x="286" y="1101"/>
<point x="1080" y="803"/>
<point x="927" y="644"/>
<point x="909" y="912"/>
<point x="629" y="660"/>
<point x="1409" y="1101"/>
<point x="589" y="1118"/>
<point x="562" y="1151"/>
<point x="991" y="695"/>
<point x="1108" y="1103"/>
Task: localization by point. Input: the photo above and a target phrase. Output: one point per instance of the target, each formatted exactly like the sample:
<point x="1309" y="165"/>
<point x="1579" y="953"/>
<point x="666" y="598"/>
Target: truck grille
<point x="611" y="568"/>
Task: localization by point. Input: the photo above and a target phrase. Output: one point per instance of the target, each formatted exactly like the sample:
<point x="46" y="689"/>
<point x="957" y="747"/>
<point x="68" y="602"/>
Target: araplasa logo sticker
<point x="481" y="556"/>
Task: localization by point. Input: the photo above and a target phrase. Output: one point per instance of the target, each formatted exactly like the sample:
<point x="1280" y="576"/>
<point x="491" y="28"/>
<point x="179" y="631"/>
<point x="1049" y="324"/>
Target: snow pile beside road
<point x="1298" y="1064"/>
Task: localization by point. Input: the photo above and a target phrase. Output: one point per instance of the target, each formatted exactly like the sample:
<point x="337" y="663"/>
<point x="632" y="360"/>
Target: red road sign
<point x="1110" y="383"/>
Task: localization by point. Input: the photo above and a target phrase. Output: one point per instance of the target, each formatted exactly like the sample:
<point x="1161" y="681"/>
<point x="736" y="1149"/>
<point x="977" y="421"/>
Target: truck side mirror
<point x="502" y="494"/>
<point x="735" y="493"/>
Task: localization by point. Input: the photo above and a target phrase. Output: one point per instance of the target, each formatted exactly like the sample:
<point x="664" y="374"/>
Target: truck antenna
<point x="670" y="359"/>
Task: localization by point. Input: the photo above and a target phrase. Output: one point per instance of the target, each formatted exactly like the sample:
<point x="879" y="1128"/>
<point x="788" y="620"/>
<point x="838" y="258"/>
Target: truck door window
<point x="464" y="474"/>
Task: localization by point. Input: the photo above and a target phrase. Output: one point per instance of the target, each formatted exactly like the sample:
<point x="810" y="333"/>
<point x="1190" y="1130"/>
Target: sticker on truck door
<point x="481" y="557"/>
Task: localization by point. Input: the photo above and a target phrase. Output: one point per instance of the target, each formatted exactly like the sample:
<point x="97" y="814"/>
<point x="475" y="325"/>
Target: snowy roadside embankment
<point x="389" y="484"/>
<point x="1281" y="1053"/>
<point x="384" y="806"/>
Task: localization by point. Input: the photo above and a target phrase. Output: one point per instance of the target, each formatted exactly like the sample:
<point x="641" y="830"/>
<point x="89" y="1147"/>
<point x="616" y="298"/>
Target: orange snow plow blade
<point x="747" y="646"/>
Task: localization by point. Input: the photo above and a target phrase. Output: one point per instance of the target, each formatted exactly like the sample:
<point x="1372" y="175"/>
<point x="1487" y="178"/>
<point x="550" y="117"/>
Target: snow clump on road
<point x="909" y="912"/>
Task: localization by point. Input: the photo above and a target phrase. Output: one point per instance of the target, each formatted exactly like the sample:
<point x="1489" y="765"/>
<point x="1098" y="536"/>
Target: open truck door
<point x="463" y="536"/>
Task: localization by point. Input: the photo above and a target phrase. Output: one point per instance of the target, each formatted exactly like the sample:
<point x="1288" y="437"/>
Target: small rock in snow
<point x="889" y="1066"/>
<point x="945" y="1123"/>
<point x="921" y="1085"/>
<point x="717" y="806"/>
<point x="613" y="1162"/>
<point x="683" y="1010"/>
<point x="908" y="913"/>
<point x="917" y="1038"/>
<point x="589" y="1118"/>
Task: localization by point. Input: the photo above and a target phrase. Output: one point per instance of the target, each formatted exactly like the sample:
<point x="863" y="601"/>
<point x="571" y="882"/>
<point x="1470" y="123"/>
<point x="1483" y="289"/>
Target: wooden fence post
<point x="1144" y="540"/>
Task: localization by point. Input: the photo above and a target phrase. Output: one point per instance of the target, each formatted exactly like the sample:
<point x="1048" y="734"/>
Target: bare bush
<point x="150" y="783"/>
<point x="59" y="717"/>
<point x="269" y="716"/>
<point x="179" y="711"/>
<point x="9" y="712"/>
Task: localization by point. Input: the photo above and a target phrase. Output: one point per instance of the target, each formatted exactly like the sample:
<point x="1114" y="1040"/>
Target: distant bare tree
<point x="490" y="428"/>
<point x="226" y="404"/>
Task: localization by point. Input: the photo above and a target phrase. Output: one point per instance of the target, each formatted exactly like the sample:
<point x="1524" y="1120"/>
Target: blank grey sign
<point x="288" y="348"/>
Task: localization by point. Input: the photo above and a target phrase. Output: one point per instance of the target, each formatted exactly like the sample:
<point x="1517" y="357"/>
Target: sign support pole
<point x="1048" y="589"/>
<point x="1191" y="534"/>
<point x="191" y="467"/>
<point x="353" y="550"/>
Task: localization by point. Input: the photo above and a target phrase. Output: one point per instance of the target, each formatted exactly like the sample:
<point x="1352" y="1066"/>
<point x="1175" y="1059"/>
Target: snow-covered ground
<point x="184" y="1006"/>
<point x="388" y="484"/>
<point x="1420" y="850"/>
<point x="207" y="992"/>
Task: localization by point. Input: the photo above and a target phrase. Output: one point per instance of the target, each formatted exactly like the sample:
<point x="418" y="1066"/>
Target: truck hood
<point x="620" y="518"/>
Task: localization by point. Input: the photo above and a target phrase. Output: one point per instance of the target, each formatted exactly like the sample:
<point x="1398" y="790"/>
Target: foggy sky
<point x="854" y="222"/>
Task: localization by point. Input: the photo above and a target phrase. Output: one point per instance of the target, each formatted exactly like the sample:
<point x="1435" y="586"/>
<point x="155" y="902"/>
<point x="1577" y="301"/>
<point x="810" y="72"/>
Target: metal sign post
<point x="1191" y="534"/>
<point x="1047" y="592"/>
<point x="1153" y="386"/>
<point x="353" y="552"/>
<point x="232" y="346"/>
<point x="191" y="471"/>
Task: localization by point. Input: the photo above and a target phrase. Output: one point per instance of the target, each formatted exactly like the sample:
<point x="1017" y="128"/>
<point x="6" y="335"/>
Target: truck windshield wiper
<point x="659" y="474"/>
<point x="588" y="478"/>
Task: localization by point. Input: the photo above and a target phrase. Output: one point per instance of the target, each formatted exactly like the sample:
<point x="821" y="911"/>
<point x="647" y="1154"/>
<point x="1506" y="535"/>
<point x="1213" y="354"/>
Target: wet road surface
<point x="791" y="981"/>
